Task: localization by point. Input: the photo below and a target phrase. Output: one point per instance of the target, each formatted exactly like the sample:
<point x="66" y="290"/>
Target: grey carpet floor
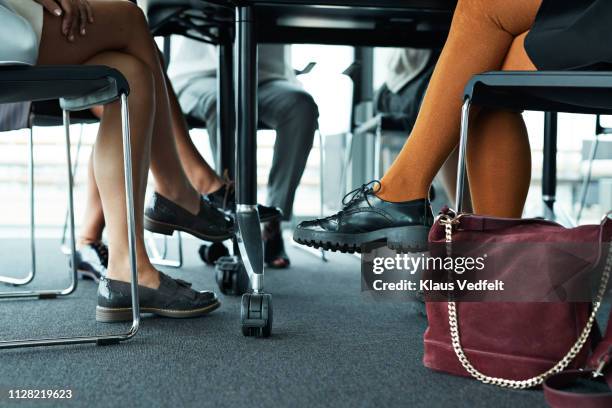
<point x="332" y="347"/>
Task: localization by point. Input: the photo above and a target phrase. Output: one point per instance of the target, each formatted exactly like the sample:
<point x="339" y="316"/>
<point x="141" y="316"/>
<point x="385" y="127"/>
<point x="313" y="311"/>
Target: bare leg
<point x="93" y="220"/>
<point x="121" y="26"/>
<point x="130" y="36"/>
<point x="200" y="174"/>
<point x="481" y="35"/>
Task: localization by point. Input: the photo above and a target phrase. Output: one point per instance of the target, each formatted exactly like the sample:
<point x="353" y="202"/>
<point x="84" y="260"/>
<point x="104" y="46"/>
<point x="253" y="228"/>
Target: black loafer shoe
<point x="225" y="200"/>
<point x="92" y="261"/>
<point x="366" y="218"/>
<point x="174" y="298"/>
<point x="162" y="216"/>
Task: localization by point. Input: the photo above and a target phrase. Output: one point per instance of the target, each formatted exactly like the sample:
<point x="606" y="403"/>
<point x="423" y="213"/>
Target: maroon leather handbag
<point x="514" y="344"/>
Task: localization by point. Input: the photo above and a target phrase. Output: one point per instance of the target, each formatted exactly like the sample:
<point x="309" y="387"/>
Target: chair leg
<point x="30" y="276"/>
<point x="107" y="338"/>
<point x="377" y="150"/>
<point x="131" y="216"/>
<point x="465" y="115"/>
<point x="549" y="165"/>
<point x="75" y="167"/>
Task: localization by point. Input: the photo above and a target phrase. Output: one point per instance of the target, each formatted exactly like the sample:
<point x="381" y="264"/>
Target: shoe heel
<point x="106" y="315"/>
<point x="158" y="228"/>
<point x="408" y="239"/>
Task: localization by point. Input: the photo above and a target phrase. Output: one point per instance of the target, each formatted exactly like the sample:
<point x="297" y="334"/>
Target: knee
<point x="303" y="107"/>
<point x="140" y="78"/>
<point x="132" y="14"/>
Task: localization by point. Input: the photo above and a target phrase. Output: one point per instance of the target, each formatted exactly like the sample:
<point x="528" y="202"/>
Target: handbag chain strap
<point x="561" y="365"/>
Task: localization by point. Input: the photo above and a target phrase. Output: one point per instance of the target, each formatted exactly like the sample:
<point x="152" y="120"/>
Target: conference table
<point x="242" y="24"/>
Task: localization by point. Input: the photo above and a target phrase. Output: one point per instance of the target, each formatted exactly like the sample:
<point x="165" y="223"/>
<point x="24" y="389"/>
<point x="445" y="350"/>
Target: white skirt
<point x="31" y="11"/>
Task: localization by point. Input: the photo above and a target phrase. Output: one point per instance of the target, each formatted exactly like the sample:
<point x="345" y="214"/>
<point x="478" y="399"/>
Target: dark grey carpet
<point x="331" y="347"/>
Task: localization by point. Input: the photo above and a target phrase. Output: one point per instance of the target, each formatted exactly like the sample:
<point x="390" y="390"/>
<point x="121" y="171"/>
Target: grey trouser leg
<point x="284" y="107"/>
<point x="291" y="111"/>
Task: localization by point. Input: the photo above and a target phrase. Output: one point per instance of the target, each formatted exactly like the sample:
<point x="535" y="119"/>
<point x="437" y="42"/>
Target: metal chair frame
<point x="104" y="339"/>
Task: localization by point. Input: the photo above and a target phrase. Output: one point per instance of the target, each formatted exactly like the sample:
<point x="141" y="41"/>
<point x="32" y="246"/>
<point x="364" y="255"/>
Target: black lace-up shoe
<point x="162" y="216"/>
<point x="92" y="261"/>
<point x="174" y="298"/>
<point x="366" y="218"/>
<point x="225" y="200"/>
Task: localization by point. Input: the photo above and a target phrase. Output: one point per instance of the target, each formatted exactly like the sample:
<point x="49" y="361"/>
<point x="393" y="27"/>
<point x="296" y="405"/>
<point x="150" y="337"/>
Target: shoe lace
<point x="364" y="191"/>
<point x="355" y="195"/>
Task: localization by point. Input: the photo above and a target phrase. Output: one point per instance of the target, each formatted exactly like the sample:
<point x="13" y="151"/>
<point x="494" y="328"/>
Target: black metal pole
<point x="549" y="166"/>
<point x="226" y="122"/>
<point x="246" y="107"/>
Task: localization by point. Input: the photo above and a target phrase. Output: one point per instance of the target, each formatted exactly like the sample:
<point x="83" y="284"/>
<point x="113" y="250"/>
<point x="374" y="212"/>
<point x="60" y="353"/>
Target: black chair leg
<point x="549" y="166"/>
<point x="226" y="122"/>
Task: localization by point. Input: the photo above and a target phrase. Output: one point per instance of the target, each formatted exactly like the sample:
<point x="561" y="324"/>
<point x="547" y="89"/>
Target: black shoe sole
<point x="114" y="315"/>
<point x="163" y="228"/>
<point x="404" y="239"/>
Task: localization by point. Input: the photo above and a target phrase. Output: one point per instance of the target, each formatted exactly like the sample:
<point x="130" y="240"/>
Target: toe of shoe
<point x="207" y="296"/>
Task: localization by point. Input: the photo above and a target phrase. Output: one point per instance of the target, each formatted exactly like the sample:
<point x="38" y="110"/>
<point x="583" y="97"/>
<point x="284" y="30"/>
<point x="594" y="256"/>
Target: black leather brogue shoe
<point x="365" y="218"/>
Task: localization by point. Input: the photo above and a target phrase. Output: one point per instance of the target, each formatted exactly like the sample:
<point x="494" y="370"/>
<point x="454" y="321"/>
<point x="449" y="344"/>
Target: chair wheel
<point x="231" y="276"/>
<point x="211" y="253"/>
<point x="256" y="315"/>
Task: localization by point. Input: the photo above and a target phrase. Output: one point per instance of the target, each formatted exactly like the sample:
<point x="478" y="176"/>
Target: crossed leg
<point x="485" y="35"/>
<point x="120" y="38"/>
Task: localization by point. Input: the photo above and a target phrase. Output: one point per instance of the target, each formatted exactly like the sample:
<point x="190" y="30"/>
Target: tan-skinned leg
<point x="499" y="156"/>
<point x="108" y="167"/>
<point x="121" y="26"/>
<point x="93" y="219"/>
<point x="129" y="35"/>
<point x="200" y="174"/>
<point x="481" y="34"/>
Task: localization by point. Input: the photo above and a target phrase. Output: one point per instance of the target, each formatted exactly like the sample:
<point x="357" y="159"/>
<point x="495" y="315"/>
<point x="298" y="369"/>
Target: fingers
<point x="51" y="6"/>
<point x="90" y="16"/>
<point x="82" y="17"/>
<point x="69" y="22"/>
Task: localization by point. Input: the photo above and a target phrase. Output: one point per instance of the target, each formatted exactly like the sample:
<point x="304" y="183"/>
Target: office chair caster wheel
<point x="231" y="276"/>
<point x="256" y="314"/>
<point x="211" y="253"/>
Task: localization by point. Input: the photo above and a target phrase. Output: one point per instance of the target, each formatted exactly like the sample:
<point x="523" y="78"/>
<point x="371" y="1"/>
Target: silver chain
<point x="561" y="364"/>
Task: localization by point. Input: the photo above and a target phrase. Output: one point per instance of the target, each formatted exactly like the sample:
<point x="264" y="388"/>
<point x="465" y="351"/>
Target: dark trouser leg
<point x="292" y="112"/>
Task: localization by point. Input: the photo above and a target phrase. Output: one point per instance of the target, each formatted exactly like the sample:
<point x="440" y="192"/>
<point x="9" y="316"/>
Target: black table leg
<point x="226" y="123"/>
<point x="246" y="107"/>
<point x="256" y="307"/>
<point x="549" y="166"/>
